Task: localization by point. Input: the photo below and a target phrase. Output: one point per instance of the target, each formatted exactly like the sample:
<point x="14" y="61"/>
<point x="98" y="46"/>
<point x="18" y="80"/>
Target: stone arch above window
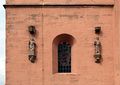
<point x="62" y="50"/>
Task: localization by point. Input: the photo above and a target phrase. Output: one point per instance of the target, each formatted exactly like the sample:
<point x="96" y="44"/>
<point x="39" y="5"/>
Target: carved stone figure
<point x="32" y="47"/>
<point x="97" y="55"/>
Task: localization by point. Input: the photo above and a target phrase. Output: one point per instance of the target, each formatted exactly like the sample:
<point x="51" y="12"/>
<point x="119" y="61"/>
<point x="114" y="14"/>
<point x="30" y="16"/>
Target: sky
<point x="2" y="43"/>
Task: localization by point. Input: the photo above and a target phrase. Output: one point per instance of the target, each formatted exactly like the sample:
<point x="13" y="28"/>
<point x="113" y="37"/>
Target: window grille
<point x="64" y="57"/>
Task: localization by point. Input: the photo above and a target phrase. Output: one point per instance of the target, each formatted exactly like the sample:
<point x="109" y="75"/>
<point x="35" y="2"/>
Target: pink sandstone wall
<point x="19" y="69"/>
<point x="60" y="1"/>
<point x="50" y="22"/>
<point x="117" y="44"/>
<point x="80" y="23"/>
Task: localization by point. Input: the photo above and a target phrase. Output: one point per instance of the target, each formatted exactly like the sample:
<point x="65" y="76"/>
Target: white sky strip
<point x="2" y="43"/>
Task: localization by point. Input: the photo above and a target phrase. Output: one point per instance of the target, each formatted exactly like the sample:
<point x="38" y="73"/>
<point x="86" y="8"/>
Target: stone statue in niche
<point x="97" y="55"/>
<point x="32" y="48"/>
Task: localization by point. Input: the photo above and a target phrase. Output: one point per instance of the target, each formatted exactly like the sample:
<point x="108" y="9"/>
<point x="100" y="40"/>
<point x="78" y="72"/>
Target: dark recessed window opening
<point x="64" y="57"/>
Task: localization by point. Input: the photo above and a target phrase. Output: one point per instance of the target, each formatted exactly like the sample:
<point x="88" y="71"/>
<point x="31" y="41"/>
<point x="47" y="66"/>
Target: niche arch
<point x="62" y="53"/>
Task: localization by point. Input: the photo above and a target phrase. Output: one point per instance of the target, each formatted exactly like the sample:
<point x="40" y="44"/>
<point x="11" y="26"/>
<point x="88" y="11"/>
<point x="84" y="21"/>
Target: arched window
<point x="62" y="53"/>
<point x="64" y="57"/>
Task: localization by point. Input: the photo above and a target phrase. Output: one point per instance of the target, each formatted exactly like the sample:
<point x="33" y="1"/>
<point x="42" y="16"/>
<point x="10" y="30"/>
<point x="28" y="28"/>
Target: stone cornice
<point x="56" y="5"/>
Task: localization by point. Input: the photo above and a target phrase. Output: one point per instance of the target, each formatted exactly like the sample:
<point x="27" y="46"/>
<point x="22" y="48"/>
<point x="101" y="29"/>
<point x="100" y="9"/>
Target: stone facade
<point x="55" y="17"/>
